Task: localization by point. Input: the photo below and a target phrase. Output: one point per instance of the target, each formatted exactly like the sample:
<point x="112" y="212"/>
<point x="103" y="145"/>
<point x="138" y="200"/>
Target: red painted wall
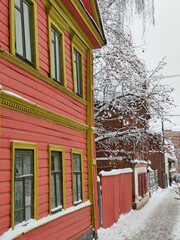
<point x="21" y="127"/>
<point x="116" y="197"/>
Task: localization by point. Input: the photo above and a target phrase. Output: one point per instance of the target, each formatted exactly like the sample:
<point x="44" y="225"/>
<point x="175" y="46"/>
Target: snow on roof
<point x="150" y="169"/>
<point x="115" y="172"/>
<point x="138" y="161"/>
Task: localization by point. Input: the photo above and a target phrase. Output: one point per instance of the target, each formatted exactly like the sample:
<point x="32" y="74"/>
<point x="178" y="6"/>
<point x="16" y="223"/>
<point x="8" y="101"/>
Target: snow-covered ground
<point x="151" y="222"/>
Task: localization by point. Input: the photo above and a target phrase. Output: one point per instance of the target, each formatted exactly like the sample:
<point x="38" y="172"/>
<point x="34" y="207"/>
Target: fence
<point x="153" y="180"/>
<point x="116" y="195"/>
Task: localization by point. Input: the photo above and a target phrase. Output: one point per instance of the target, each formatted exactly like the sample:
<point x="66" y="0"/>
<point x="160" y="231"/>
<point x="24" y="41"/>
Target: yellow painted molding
<point x="56" y="21"/>
<point x="29" y="146"/>
<point x="58" y="149"/>
<point x="34" y="30"/>
<point x="77" y="45"/>
<point x="94" y="162"/>
<point x="94" y="29"/>
<point x="96" y="14"/>
<point x="77" y="151"/>
<point x="13" y="102"/>
<point x="12" y="59"/>
<point x="68" y="18"/>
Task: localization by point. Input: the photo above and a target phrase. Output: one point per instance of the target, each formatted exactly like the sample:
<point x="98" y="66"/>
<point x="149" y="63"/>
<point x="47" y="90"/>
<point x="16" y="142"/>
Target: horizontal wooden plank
<point x="5" y="187"/>
<point x="5" y="176"/>
<point x="5" y="164"/>
<point x="5" y="198"/>
<point x="4" y="223"/>
<point x="5" y="210"/>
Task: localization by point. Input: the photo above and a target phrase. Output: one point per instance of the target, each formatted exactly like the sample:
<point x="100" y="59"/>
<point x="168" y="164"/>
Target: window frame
<point x="35" y="51"/>
<point x="59" y="26"/>
<point x="80" y="152"/>
<point x="24" y="146"/>
<point x="79" y="47"/>
<point x="57" y="149"/>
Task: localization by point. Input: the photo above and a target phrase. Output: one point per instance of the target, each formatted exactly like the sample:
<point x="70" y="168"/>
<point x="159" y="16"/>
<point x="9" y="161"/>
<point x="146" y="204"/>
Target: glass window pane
<point x="27" y="213"/>
<point x="18" y="32"/>
<point x="17" y="3"/>
<point x="53" y="61"/>
<point x="79" y="187"/>
<point x="74" y="163"/>
<point x="77" y="63"/>
<point x="27" y="165"/>
<point x="18" y="194"/>
<point x="27" y="31"/>
<point x="58" y="186"/>
<point x="28" y="192"/>
<point x="18" y="166"/>
<point x="75" y="187"/>
<point x="56" y="163"/>
<point x="18" y="216"/>
<point x="58" y="60"/>
<point x="52" y="191"/>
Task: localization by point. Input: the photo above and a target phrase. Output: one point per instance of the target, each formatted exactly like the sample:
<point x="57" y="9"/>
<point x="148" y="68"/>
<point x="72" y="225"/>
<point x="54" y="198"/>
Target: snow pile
<point x="115" y="172"/>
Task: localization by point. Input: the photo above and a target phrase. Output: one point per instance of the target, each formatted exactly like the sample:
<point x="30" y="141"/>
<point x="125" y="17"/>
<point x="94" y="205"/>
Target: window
<point x="23" y="30"/>
<point x="56" y="56"/>
<point x="23" y="185"/>
<point x="56" y="179"/>
<point x="56" y="28"/>
<point x="77" y="172"/>
<point x="77" y="73"/>
<point x="77" y="49"/>
<point x="24" y="182"/>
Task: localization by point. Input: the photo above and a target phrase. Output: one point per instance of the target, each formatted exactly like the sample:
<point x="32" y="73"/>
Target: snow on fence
<point x="116" y="198"/>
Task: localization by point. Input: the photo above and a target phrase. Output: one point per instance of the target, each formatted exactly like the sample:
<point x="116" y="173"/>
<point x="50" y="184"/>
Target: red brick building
<point x="47" y="157"/>
<point x="175" y="138"/>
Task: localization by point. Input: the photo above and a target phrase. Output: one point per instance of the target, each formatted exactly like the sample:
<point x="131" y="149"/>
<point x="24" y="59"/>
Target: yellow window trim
<point x="34" y="30"/>
<point x="10" y="58"/>
<point x="57" y="22"/>
<point x="96" y="32"/>
<point x="68" y="18"/>
<point x="58" y="149"/>
<point x="77" y="45"/>
<point x="29" y="146"/>
<point x="77" y="151"/>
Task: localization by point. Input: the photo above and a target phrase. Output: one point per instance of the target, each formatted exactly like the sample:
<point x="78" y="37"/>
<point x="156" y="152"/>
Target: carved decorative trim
<point x="18" y="104"/>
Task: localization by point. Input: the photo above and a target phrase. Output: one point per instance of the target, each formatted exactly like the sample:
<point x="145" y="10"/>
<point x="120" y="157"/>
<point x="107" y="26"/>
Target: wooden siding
<point x="69" y="227"/>
<point x="43" y="39"/>
<point x="4" y="25"/>
<point x="32" y="88"/>
<point x="21" y="127"/>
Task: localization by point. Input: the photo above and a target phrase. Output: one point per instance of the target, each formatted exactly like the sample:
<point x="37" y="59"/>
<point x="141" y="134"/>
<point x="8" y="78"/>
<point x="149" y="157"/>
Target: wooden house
<point x="47" y="157"/>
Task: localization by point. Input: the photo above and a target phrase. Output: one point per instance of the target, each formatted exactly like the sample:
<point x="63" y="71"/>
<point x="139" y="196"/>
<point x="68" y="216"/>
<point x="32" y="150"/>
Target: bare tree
<point x="127" y="95"/>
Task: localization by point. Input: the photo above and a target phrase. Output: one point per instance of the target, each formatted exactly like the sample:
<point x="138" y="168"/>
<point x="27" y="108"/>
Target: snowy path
<point x="159" y="219"/>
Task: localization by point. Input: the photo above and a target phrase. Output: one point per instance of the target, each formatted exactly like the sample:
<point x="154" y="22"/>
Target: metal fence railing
<point x="153" y="180"/>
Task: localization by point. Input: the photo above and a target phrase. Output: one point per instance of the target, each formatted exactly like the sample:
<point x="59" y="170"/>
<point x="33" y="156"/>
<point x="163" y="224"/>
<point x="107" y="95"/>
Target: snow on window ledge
<point x="32" y="223"/>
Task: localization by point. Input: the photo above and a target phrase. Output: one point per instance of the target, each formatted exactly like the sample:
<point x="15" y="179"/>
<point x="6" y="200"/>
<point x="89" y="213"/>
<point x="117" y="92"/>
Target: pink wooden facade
<point x="35" y="109"/>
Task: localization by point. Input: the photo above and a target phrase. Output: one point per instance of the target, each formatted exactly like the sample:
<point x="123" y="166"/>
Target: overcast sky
<point x="162" y="40"/>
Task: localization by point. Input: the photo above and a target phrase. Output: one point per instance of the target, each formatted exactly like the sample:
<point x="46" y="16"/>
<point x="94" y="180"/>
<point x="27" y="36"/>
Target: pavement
<point x="161" y="222"/>
<point x="159" y="219"/>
